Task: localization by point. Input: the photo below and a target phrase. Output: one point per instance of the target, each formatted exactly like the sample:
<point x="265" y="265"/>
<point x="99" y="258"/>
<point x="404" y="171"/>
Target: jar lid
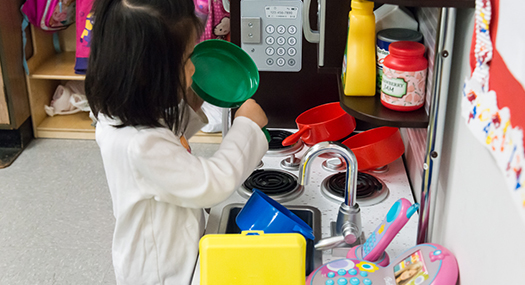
<point x="406" y="48"/>
<point x="399" y="34"/>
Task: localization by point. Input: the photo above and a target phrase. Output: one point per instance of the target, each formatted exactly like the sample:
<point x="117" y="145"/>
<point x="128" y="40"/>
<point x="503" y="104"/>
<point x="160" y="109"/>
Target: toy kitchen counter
<point x="277" y="175"/>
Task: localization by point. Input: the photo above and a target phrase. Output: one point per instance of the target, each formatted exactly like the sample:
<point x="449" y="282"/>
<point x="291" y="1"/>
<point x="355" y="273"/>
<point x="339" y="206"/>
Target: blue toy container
<point x="262" y="213"/>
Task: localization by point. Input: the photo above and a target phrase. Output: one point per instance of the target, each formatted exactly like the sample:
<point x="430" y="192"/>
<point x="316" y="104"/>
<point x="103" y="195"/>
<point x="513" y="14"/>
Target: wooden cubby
<point x="47" y="70"/>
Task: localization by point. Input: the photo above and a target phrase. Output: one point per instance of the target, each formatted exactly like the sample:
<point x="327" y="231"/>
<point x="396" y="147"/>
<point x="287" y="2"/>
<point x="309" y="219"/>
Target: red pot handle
<point x="293" y="138"/>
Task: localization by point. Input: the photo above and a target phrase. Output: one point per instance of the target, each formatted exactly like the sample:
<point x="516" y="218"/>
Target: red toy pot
<point x="376" y="147"/>
<point x="328" y="122"/>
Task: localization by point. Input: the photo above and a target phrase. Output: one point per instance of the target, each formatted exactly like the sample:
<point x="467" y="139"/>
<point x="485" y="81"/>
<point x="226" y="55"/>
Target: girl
<point x="137" y="86"/>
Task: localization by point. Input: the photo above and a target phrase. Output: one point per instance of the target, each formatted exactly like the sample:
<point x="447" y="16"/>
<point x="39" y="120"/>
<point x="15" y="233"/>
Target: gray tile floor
<point x="56" y="218"/>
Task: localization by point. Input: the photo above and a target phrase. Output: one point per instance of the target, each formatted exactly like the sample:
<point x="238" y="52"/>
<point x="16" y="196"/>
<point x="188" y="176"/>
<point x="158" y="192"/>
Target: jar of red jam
<point x="404" y="76"/>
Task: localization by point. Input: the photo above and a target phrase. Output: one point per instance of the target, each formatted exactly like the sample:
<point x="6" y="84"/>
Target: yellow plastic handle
<point x="252" y="233"/>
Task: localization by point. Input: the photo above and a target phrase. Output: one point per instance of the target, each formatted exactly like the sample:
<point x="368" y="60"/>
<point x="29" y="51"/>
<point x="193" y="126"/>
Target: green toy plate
<point x="225" y="75"/>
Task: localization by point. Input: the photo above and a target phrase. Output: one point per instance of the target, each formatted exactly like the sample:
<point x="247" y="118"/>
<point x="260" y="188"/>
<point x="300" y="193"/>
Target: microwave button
<point x="251" y="30"/>
<point x="281" y="51"/>
<point x="292" y="51"/>
<point x="270" y="51"/>
<point x="292" y="41"/>
<point x="281" y="61"/>
<point x="281" y="41"/>
<point x="270" y="29"/>
<point x="270" y="40"/>
<point x="269" y="61"/>
<point x="281" y="29"/>
<point x="292" y="30"/>
<point x="291" y="62"/>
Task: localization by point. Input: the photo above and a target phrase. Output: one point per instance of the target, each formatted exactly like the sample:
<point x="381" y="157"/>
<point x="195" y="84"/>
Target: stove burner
<point x="271" y="182"/>
<point x="279" y="185"/>
<point x="275" y="146"/>
<point x="277" y="138"/>
<point x="370" y="190"/>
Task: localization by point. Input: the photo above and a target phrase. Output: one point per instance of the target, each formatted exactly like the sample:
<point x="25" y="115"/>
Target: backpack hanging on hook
<point x="49" y="16"/>
<point x="84" y="27"/>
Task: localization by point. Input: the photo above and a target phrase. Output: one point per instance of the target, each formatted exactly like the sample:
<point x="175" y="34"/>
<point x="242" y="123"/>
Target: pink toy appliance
<point x="369" y="264"/>
<point x="424" y="264"/>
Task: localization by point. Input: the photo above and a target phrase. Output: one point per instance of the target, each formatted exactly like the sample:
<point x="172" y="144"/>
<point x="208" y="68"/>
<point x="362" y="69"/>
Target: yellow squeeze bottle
<point x="359" y="79"/>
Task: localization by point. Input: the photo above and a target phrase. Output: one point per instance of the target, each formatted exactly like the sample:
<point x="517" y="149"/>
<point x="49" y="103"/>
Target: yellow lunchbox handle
<point x="252" y="233"/>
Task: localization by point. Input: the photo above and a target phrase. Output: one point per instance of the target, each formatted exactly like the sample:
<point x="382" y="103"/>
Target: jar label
<point x="403" y="88"/>
<point x="396" y="87"/>
<point x="379" y="79"/>
<point x="381" y="54"/>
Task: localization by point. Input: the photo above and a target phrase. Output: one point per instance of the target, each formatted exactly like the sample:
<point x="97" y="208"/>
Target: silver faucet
<point x="348" y="223"/>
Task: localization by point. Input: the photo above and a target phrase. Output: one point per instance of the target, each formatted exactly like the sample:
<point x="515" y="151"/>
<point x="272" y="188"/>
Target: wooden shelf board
<point x="79" y="122"/>
<point x="78" y="126"/>
<point x="60" y="66"/>
<point x="65" y="135"/>
<point x="370" y="109"/>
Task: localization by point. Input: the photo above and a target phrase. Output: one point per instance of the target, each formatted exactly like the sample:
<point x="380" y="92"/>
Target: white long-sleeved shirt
<point x="159" y="191"/>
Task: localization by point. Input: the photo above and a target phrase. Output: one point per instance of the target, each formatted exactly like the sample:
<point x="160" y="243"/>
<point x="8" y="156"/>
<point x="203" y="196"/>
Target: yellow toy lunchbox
<point x="252" y="257"/>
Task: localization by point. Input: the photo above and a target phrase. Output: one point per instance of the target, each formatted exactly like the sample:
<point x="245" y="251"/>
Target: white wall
<point x="475" y="216"/>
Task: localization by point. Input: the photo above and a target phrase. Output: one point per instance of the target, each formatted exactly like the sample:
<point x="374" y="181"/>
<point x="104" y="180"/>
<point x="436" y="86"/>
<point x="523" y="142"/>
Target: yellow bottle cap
<point x="362" y="4"/>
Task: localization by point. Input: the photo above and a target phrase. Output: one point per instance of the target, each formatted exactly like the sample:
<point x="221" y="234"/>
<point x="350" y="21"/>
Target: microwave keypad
<point x="271" y="34"/>
<point x="284" y="47"/>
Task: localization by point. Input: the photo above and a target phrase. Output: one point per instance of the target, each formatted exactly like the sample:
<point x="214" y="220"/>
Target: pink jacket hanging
<point x="218" y="20"/>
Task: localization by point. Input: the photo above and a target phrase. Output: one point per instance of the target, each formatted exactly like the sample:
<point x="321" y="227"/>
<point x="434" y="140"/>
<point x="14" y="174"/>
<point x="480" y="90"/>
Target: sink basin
<point x="310" y="215"/>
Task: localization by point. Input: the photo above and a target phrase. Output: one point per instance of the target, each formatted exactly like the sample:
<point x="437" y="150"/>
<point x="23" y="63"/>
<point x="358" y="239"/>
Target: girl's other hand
<point x="252" y="111"/>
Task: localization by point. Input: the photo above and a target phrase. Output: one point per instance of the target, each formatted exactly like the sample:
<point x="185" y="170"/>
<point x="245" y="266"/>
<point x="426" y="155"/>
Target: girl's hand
<point x="252" y="111"/>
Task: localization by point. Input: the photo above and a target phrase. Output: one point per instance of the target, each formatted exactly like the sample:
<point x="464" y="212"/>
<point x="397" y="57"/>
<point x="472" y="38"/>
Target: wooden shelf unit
<point x="58" y="67"/>
<point x="47" y="70"/>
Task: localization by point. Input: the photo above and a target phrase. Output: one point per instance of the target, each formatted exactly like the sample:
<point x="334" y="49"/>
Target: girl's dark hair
<point x="136" y="62"/>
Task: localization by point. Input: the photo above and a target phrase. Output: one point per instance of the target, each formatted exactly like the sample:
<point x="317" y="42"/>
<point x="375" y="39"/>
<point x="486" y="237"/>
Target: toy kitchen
<point x="354" y="209"/>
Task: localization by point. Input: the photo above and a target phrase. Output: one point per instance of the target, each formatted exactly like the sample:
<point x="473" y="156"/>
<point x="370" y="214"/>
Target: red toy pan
<point x="376" y="147"/>
<point x="327" y="122"/>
